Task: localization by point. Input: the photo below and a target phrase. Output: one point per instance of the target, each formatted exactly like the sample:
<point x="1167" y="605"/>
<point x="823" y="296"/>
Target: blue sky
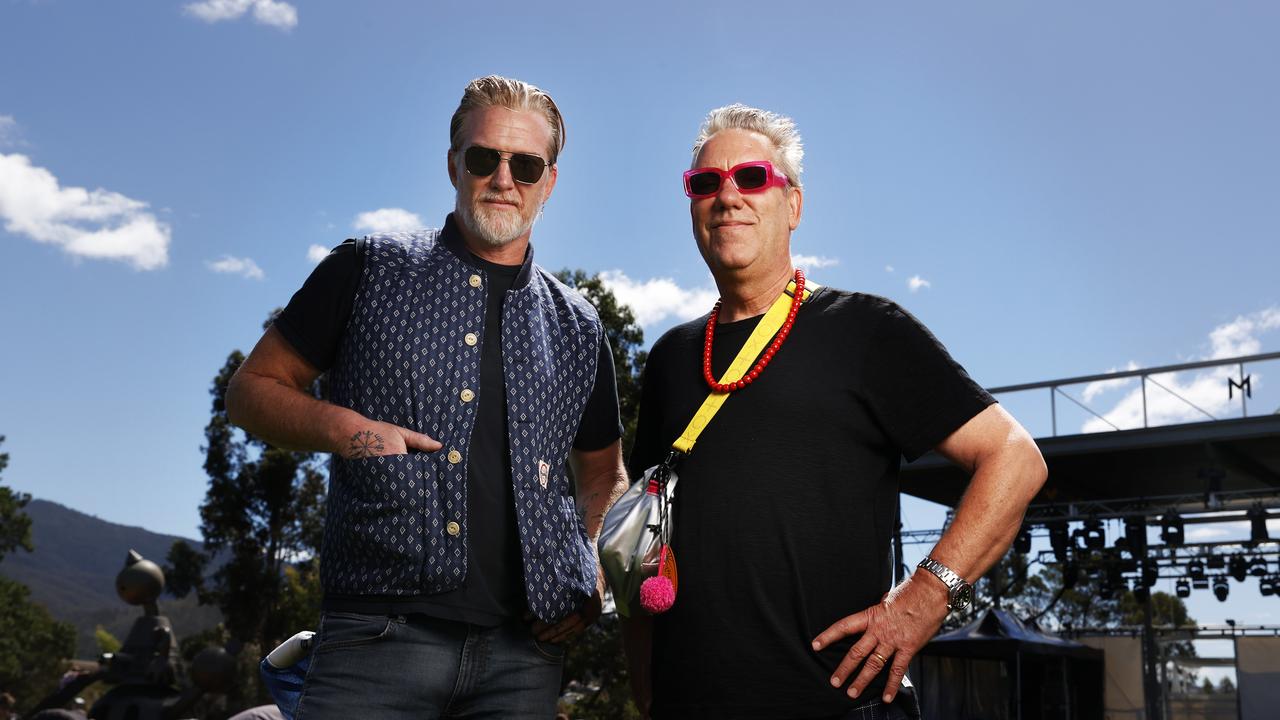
<point x="1073" y="188"/>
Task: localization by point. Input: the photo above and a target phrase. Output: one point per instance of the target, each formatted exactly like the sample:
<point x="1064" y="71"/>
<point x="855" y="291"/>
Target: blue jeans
<point x="376" y="666"/>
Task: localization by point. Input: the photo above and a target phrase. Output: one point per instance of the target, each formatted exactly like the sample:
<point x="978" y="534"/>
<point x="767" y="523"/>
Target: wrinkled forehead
<point x="733" y="146"/>
<point x="508" y="130"/>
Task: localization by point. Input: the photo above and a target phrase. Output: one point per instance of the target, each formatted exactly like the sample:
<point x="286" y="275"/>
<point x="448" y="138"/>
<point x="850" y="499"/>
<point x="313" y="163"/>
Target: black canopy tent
<point x="998" y="668"/>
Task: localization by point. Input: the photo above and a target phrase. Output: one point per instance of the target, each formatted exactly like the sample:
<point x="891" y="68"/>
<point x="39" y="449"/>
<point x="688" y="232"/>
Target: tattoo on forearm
<point x="365" y="444"/>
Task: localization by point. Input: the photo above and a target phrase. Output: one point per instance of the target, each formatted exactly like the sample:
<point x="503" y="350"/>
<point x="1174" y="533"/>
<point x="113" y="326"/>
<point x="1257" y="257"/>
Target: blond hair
<point x="498" y="91"/>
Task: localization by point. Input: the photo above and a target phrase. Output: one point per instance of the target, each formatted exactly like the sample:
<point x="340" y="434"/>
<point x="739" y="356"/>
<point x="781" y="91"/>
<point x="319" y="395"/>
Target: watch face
<point x="964" y="594"/>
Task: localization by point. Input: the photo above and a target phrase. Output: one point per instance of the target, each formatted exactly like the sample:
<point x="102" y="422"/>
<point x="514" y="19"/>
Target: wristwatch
<point x="959" y="592"/>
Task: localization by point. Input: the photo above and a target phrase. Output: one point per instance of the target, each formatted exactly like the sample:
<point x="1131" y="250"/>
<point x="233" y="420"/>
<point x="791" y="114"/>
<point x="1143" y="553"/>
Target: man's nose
<point x="728" y="195"/>
<point x="501" y="178"/>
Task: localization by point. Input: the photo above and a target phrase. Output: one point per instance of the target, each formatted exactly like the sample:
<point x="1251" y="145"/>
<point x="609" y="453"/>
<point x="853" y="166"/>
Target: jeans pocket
<point x="342" y="630"/>
<point x="549" y="651"/>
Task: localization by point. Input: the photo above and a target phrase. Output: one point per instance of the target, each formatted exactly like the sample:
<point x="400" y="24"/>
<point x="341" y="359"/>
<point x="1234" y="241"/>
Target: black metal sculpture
<point x="146" y="670"/>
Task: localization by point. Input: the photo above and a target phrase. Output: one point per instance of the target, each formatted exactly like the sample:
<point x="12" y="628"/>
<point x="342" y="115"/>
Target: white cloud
<point x="915" y="282"/>
<point x="888" y="268"/>
<point x="1239" y="529"/>
<point x="96" y="224"/>
<point x="265" y="12"/>
<point x="813" y="262"/>
<point x="9" y="132"/>
<point x="244" y="267"/>
<point x="656" y="299"/>
<point x="316" y="253"/>
<point x="387" y="220"/>
<point x="1204" y="389"/>
<point x="1098" y="387"/>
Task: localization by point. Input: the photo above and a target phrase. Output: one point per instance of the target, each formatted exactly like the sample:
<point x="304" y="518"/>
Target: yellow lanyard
<point x="760" y="337"/>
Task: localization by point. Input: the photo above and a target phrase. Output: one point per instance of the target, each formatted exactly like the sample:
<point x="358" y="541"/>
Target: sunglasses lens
<point x="481" y="161"/>
<point x="526" y="169"/>
<point x="751" y="178"/>
<point x="704" y="183"/>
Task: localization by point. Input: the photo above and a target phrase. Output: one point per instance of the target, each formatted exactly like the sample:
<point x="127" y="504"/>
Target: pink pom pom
<point x="657" y="594"/>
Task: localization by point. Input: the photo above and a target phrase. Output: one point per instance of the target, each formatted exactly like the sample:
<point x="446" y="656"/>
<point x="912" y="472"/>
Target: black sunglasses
<point x="483" y="162"/>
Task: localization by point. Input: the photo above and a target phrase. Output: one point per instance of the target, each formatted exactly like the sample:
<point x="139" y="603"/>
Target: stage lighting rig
<point x="1238" y="568"/>
<point x="1095" y="536"/>
<point x="1171" y="528"/>
<point x="1182" y="588"/>
<point x="1195" y="569"/>
<point x="1267" y="586"/>
<point x="1022" y="543"/>
<point x="1220" y="588"/>
<point x="1258" y="524"/>
<point x="1140" y="592"/>
<point x="1135" y="535"/>
<point x="1059" y="539"/>
<point x="1258" y="566"/>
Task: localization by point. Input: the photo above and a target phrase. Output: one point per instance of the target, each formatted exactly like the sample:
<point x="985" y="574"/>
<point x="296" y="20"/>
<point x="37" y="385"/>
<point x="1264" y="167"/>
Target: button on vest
<point x="395" y="525"/>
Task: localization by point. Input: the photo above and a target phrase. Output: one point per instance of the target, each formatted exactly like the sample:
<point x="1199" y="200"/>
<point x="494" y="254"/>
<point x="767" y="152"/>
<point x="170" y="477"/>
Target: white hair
<point x="778" y="129"/>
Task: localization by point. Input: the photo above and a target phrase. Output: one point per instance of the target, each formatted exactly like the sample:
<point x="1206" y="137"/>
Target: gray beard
<point x="490" y="230"/>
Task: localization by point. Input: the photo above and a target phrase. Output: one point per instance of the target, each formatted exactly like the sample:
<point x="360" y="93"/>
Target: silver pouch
<point x="635" y="529"/>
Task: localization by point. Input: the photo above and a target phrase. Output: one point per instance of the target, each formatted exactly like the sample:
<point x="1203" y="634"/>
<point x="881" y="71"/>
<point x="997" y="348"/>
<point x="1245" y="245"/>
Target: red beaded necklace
<point x="764" y="358"/>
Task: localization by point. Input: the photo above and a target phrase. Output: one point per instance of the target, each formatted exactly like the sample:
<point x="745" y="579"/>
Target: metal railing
<point x="1243" y="385"/>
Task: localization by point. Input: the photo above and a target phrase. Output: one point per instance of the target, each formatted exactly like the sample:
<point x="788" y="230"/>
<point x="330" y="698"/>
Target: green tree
<point x="263" y="511"/>
<point x="15" y="525"/>
<point x="626" y="339"/>
<point x="34" y="647"/>
<point x="595" y="667"/>
<point x="107" y="642"/>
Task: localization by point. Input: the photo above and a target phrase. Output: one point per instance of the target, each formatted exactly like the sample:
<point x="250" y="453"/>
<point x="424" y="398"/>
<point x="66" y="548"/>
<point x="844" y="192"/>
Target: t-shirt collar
<point x="451" y="238"/>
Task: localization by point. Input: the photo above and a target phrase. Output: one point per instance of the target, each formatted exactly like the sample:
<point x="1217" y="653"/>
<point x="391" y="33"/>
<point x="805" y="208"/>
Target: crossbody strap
<point x="760" y="337"/>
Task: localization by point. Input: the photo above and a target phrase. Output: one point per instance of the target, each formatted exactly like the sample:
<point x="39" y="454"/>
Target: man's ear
<point x="453" y="169"/>
<point x="796" y="201"/>
<point x="551" y="184"/>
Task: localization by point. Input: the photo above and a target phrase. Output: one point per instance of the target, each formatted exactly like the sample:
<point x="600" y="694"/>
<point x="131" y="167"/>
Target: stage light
<point x="1182" y="588"/>
<point x="1140" y="592"/>
<point x="1221" y="588"/>
<point x="1150" y="573"/>
<point x="1266" y="586"/>
<point x="1095" y="536"/>
<point x="1171" y="528"/>
<point x="1195" y="569"/>
<point x="1258" y="525"/>
<point x="1239" y="569"/>
<point x="1200" y="583"/>
<point x="1258" y="566"/>
<point x="1059" y="539"/>
<point x="1135" y="535"/>
<point x="1022" y="543"/>
<point x="1216" y="562"/>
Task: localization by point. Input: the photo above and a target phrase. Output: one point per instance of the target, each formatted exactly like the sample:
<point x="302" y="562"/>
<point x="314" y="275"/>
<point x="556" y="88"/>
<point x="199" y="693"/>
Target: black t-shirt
<point x="493" y="591"/>
<point x="784" y="509"/>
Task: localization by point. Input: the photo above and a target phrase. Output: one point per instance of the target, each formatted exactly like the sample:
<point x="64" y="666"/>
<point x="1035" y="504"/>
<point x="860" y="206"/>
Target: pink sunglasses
<point x="748" y="177"/>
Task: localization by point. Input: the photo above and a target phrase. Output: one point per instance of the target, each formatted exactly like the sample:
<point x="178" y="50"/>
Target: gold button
<point x="455" y="457"/>
<point x="474" y="280"/>
<point x="470" y="339"/>
<point x="467" y="395"/>
<point x="453" y="528"/>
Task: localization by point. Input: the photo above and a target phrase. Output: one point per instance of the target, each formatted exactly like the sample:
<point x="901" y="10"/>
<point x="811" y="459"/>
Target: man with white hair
<point x="785" y="506"/>
<point x="462" y="378"/>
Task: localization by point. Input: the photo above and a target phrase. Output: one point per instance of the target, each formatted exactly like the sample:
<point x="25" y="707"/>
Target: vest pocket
<point x="376" y="514"/>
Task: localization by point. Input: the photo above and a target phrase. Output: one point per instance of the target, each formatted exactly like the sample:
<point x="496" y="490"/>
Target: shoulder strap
<point x="756" y="343"/>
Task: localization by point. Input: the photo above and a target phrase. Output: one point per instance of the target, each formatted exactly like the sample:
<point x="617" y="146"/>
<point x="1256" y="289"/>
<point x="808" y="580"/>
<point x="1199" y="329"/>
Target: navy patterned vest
<point x="397" y="525"/>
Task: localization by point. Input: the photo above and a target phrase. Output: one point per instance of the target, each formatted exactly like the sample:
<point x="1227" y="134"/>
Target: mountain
<point x="73" y="570"/>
